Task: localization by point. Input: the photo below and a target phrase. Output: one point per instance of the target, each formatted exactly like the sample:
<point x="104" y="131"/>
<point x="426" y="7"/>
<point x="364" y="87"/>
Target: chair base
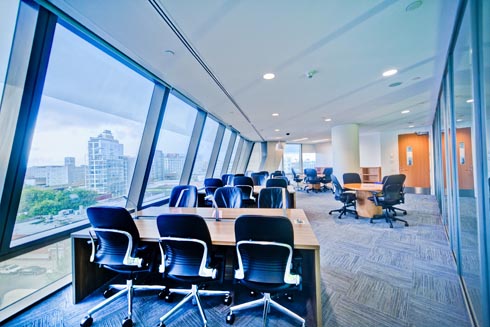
<point x="403" y="211"/>
<point x="128" y="290"/>
<point x="389" y="218"/>
<point x="267" y="302"/>
<point x="194" y="295"/>
<point x="344" y="211"/>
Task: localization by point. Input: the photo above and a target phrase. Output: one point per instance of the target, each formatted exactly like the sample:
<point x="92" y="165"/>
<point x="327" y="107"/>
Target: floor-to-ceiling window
<point x="8" y="18"/>
<point x="255" y="158"/>
<point x="204" y="152"/>
<point x="173" y="142"/>
<point x="292" y="158"/>
<point x="222" y="153"/>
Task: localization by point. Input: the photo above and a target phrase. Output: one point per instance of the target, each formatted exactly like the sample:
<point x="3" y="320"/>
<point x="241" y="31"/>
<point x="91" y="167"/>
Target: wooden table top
<point x="371" y="187"/>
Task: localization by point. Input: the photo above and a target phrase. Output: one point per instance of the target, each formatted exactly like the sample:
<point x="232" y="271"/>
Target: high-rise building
<point x="107" y="165"/>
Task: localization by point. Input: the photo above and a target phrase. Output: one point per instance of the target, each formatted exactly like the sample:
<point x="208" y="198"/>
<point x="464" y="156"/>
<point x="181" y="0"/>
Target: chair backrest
<point x="276" y="182"/>
<point x="310" y="173"/>
<point x="228" y="197"/>
<point x="327" y="172"/>
<point x="112" y="225"/>
<point x="227" y="179"/>
<point x="337" y="188"/>
<point x="392" y="189"/>
<point x="211" y="184"/>
<point x="274" y="197"/>
<point x="264" y="257"/>
<point x="351" y="178"/>
<point x="245" y="184"/>
<point x="185" y="243"/>
<point x="259" y="178"/>
<point x="277" y="173"/>
<point x="183" y="196"/>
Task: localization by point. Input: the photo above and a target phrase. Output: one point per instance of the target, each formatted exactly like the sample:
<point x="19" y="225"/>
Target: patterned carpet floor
<point x="372" y="275"/>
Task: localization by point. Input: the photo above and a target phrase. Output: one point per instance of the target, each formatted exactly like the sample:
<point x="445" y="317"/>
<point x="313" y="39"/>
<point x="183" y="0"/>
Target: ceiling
<point x="215" y="52"/>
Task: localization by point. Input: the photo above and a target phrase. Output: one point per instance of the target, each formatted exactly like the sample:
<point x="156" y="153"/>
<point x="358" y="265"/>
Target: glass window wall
<point x="8" y="19"/>
<point x="204" y="152"/>
<point x="222" y="153"/>
<point x="255" y="158"/>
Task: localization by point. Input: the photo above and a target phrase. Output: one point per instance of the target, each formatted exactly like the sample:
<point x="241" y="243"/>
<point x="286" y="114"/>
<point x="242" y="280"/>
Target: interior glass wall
<point x="204" y="152"/>
<point x="86" y="139"/>
<point x="222" y="153"/>
<point x="8" y="19"/>
<point x="171" y="150"/>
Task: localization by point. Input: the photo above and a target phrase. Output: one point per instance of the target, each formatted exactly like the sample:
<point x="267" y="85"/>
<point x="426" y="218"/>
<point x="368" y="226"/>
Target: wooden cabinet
<point x="371" y="174"/>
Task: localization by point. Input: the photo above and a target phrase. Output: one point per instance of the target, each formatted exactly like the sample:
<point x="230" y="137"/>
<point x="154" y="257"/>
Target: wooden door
<point x="413" y="155"/>
<point x="465" y="158"/>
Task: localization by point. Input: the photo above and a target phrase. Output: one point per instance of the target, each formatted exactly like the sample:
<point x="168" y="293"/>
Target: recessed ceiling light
<point x="459" y="119"/>
<point x="469" y="101"/>
<point x="405" y="111"/>
<point x="275" y="114"/>
<point x="395" y="84"/>
<point x="169" y="52"/>
<point x="411" y="126"/>
<point x="269" y="76"/>
<point x="277" y="130"/>
<point x="328" y="119"/>
<point x="390" y="72"/>
<point x="414" y="5"/>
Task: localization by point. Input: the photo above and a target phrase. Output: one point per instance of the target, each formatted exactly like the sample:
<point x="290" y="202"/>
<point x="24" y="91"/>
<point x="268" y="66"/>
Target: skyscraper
<point x="107" y="165"/>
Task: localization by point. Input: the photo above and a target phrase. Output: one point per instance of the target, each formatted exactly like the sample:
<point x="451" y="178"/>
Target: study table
<point x="87" y="277"/>
<point x="365" y="207"/>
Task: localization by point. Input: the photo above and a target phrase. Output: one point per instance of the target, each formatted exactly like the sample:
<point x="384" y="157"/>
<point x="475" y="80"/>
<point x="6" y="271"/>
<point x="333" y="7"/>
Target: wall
<point x="274" y="157"/>
<point x="370" y="150"/>
<point x="324" y="154"/>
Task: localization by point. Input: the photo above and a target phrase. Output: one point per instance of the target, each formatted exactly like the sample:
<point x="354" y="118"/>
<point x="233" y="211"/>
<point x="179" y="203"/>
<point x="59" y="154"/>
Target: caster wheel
<point x="108" y="293"/>
<point x="169" y="297"/>
<point x="405" y="213"/>
<point x="163" y="294"/>
<point x="406" y="224"/>
<point x="86" y="322"/>
<point x="371" y="222"/>
<point x="127" y="322"/>
<point x="391" y="226"/>
<point x="230" y="319"/>
<point x="227" y="300"/>
<point x="161" y="324"/>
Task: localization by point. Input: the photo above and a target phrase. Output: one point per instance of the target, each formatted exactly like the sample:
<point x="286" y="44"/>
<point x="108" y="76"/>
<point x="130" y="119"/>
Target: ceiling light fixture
<point x="469" y="101"/>
<point x="414" y="5"/>
<point x="299" y="140"/>
<point x="169" y="52"/>
<point x="322" y="140"/>
<point x="390" y="72"/>
<point x="277" y="130"/>
<point x="405" y="111"/>
<point x="411" y="126"/>
<point x="275" y="114"/>
<point x="459" y="119"/>
<point x="395" y="84"/>
<point x="328" y="119"/>
<point x="269" y="76"/>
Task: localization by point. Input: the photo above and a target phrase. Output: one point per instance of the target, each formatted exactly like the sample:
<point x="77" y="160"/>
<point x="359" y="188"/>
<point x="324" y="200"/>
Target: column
<point x="345" y="150"/>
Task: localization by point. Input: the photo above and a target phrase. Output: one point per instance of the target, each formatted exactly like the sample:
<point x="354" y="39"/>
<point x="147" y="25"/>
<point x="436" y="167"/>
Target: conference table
<point x="365" y="207"/>
<point x="87" y="277"/>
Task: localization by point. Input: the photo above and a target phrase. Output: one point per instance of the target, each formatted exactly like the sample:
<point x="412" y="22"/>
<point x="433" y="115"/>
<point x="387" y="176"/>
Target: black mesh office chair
<point x="277" y="173"/>
<point x="326" y="180"/>
<point x="228" y="197"/>
<point x="274" y="197"/>
<point x="350" y="178"/>
<point x="402" y="199"/>
<point x="296" y="178"/>
<point x="265" y="261"/>
<point x="187" y="257"/>
<point x="277" y="182"/>
<point x="183" y="196"/>
<point x="210" y="186"/>
<point x="390" y="195"/>
<point x="245" y="184"/>
<point x="311" y="178"/>
<point x="116" y="246"/>
<point x="348" y="199"/>
<point x="227" y="179"/>
<point x="259" y="178"/>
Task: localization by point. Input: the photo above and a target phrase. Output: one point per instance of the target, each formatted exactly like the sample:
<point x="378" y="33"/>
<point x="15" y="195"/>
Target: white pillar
<point x="345" y="150"/>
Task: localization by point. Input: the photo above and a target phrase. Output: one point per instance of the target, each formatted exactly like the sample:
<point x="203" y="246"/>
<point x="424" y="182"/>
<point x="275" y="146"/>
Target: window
<point x="255" y="158"/>
<point x="222" y="154"/>
<point x="233" y="156"/>
<point x="204" y="152"/>
<point x="86" y="138"/>
<point x="8" y="16"/>
<point x="171" y="150"/>
<point x="291" y="158"/>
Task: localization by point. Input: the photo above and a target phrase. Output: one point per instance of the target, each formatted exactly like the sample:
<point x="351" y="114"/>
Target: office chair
<point x="265" y="262"/>
<point x="349" y="178"/>
<point x="274" y="197"/>
<point x="183" y="196"/>
<point x="277" y="182"/>
<point x="228" y="197"/>
<point x="277" y="173"/>
<point x="327" y="179"/>
<point x="402" y="199"/>
<point x="187" y="257"/>
<point x="348" y="199"/>
<point x="227" y="179"/>
<point x="311" y="178"/>
<point x="210" y="185"/>
<point x="296" y="178"/>
<point x="390" y="195"/>
<point x="245" y="184"/>
<point x="116" y="246"/>
<point x="259" y="178"/>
